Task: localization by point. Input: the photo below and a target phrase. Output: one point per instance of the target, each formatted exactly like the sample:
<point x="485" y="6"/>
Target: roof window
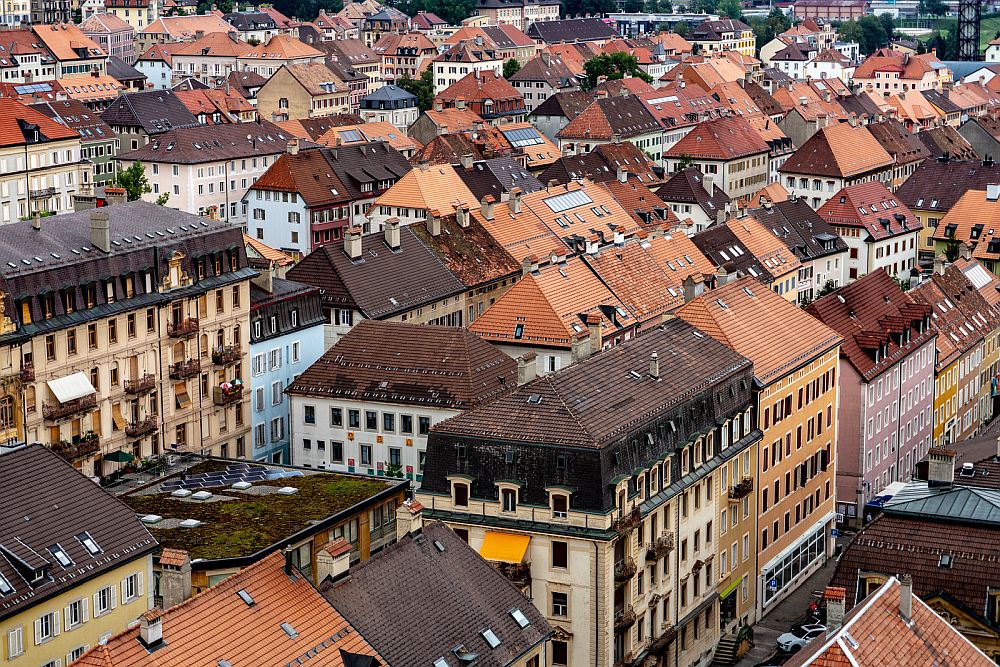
<point x="88" y="543"/>
<point x="519" y="618"/>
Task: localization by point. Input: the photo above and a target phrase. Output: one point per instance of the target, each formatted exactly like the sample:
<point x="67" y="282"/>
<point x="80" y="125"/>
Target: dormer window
<point x="460" y="494"/>
<point x="560" y="505"/>
<point x="508" y="500"/>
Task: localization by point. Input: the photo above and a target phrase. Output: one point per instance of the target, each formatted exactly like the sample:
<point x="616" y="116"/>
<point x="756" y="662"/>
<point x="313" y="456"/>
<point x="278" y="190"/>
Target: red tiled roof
<point x="12" y="111"/>
<point x="840" y="150"/>
<point x="720" y="139"/>
<point x="872" y="207"/>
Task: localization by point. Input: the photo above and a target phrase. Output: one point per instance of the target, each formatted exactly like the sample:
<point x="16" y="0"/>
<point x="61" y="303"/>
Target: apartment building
<point x="207" y="169"/>
<point x="208" y="57"/>
<point x="115" y="36"/>
<point x="611" y="529"/>
<point x="73" y="52"/>
<point x="795" y="361"/>
<point x="730" y="150"/>
<point x="295" y="92"/>
<point x="118" y="364"/>
<point x="139" y="117"/>
<point x="41" y="166"/>
<point x="886" y="387"/>
<point x="286" y="337"/>
<point x="98" y="142"/>
<point x="137" y="13"/>
<point x="343" y="421"/>
<point x="724" y="35"/>
<point x="70" y="578"/>
<point x="519" y="14"/>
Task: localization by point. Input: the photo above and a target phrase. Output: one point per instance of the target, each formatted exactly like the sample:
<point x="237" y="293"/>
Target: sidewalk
<point x="790" y="611"/>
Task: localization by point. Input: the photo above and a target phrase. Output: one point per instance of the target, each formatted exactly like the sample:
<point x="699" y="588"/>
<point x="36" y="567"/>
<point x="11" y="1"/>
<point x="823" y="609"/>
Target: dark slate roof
<point x="497" y="176"/>
<point x="121" y="70"/>
<point x="571" y="30"/>
<point x="801" y="229"/>
<point x="390" y="93"/>
<point x="249" y="21"/>
<point x="460" y="595"/>
<point x="418" y="276"/>
<point x="713" y="30"/>
<point x="76" y="115"/>
<point x="471" y="253"/>
<point x="945" y="141"/>
<point x="152" y="111"/>
<point x="718" y="241"/>
<point x="862" y="106"/>
<point x="48" y="502"/>
<point x="212" y="143"/>
<point x="944" y="183"/>
<point x="365" y="163"/>
<point x="765" y="102"/>
<point x="941" y="101"/>
<point x="568" y="104"/>
<point x="396" y="362"/>
<point x="601" y="165"/>
<point x="317" y="127"/>
<point x="898" y="142"/>
<point x="687" y="187"/>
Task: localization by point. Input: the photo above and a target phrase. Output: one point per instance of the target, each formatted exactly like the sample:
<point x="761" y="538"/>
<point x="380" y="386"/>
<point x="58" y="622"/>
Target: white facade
<point x="279" y="219"/>
<point x="158" y="73"/>
<point x="54" y="175"/>
<point x="401" y="118"/>
<point x="362" y="437"/>
<point x="447" y="73"/>
<point x="826" y="69"/>
<point x="895" y="255"/>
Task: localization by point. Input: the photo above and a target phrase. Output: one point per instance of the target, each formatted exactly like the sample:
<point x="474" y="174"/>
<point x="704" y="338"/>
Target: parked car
<point x="790" y="642"/>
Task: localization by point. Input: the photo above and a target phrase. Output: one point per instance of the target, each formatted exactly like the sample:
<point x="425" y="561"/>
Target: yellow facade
<point x="68" y="641"/>
<point x="960" y="396"/>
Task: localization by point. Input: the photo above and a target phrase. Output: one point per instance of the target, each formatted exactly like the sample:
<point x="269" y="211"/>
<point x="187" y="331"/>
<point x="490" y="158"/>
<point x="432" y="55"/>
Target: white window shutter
<point x="124" y="589"/>
<point x="66" y="615"/>
<point x="138" y="584"/>
<point x="97" y="602"/>
<point x="55" y="624"/>
<point x="38" y="631"/>
<point x="86" y="615"/>
<point x="114" y="596"/>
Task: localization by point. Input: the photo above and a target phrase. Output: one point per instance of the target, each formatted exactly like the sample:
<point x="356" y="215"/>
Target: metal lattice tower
<point x="969" y="13"/>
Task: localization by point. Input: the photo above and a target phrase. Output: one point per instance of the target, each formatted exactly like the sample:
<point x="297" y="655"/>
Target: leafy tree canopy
<point x="731" y="8"/>
<point x="423" y="88"/>
<point x="134" y="181"/>
<point x="510" y="68"/>
<point x="613" y="66"/>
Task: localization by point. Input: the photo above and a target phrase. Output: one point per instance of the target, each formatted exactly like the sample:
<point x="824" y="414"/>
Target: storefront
<point x="788" y="569"/>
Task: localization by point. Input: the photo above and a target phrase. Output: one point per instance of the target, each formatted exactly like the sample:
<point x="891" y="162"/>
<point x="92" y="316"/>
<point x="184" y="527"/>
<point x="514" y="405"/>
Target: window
<point x="560" y="554"/>
<point x="309" y="414"/>
<point x="560" y="506"/>
<point x="276" y="396"/>
<point x="461" y="494"/>
<point x="388" y="422"/>
<point x="336" y="416"/>
<point x="75" y="613"/>
<point x="509" y="500"/>
<point x="371" y="420"/>
<point x="15" y="642"/>
<point x="425" y="425"/>
<point x="354" y="418"/>
<point x="131" y="587"/>
<point x="406" y="423"/>
<point x="560" y="604"/>
<point x="104" y="600"/>
<point x="336" y="451"/>
<point x="366" y="455"/>
<point x="560" y="653"/>
<point x="46" y="627"/>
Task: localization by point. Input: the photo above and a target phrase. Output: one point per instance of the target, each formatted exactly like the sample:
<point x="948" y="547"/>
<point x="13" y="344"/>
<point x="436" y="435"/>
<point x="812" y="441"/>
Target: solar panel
<point x="525" y="136"/>
<point x="564" y="202"/>
<point x="350" y="135"/>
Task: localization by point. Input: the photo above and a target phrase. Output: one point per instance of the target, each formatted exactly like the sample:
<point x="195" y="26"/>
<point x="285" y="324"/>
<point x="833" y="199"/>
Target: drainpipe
<point x="597" y="597"/>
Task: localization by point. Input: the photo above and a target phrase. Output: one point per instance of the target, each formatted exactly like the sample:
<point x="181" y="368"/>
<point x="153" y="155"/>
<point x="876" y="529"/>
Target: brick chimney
<point x="175" y="576"/>
<point x="596" y="335"/>
<point x="486" y="206"/>
<point x="834" y="598"/>
<point x="527" y="368"/>
<point x="352" y="242"/>
<point x="293" y="147"/>
<point x="581" y="346"/>
<point x="409" y="519"/>
<point x="151" y="628"/>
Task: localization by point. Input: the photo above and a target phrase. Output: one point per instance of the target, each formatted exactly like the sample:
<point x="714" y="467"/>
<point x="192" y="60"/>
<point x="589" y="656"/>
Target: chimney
<point x="352" y="242"/>
<point x="100" y="231"/>
<point x="694" y="286"/>
<point x="293" y="147"/>
<point x="515" y="200"/>
<point x="438" y="105"/>
<point x="289" y="568"/>
<point x="392" y="233"/>
<point x="592" y="244"/>
<point x="622" y="175"/>
<point x="333" y="560"/>
<point x="834" y="597"/>
<point x="527" y="368"/>
<point x="462" y="216"/>
<point x="581" y="346"/>
<point x="175" y="576"/>
<point x="265" y="278"/>
<point x="906" y="597"/>
<point x="939" y="263"/>
<point x="654" y="366"/>
<point x="616" y="138"/>
<point x="721" y="277"/>
<point x="460" y="103"/>
<point x="708" y="182"/>
<point x="151" y="628"/>
<point x="486" y="206"/>
<point x="529" y="265"/>
<point x="964" y="251"/>
<point x="409" y="519"/>
<point x="198" y="34"/>
<point x="434" y="222"/>
<point x="36" y="221"/>
<point x="467" y="161"/>
<point x="596" y="335"/>
<point x="940" y="467"/>
<point x="619" y="233"/>
<point x="546" y="58"/>
<point x="602" y="93"/>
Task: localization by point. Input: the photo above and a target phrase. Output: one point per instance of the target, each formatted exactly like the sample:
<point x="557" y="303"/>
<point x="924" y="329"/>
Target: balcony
<point x="185" y="327"/>
<point x="182" y="370"/>
<point x="223" y="356"/>
<point x="58" y="411"/>
<point x="663" y="545"/>
<point x="141" y="427"/>
<point x="624" y="618"/>
<point x="624" y="570"/>
<point x="519" y="574"/>
<point x="741" y="490"/>
<point x="80" y="448"/>
<point x="627" y="522"/>
<point x="142" y="385"/>
<point x="27" y="373"/>
<point x="625" y="661"/>
<point x="660" y="645"/>
<point x="228" y="396"/>
<point x="39" y="194"/>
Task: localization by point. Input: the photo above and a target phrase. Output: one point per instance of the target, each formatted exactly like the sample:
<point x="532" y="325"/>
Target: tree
<point x="932" y="7"/>
<point x="873" y="35"/>
<point x="828" y="286"/>
<point x="888" y="25"/>
<point x="731" y="8"/>
<point x="613" y="66"/>
<point x="510" y="68"/>
<point x="686" y="162"/>
<point x="632" y="6"/>
<point x="766" y="29"/>
<point x="578" y="7"/>
<point x="163" y="199"/>
<point x="423" y="88"/>
<point x="134" y="181"/>
<point x="681" y="28"/>
<point x="850" y="31"/>
<point x="921" y="48"/>
<point x="452" y="11"/>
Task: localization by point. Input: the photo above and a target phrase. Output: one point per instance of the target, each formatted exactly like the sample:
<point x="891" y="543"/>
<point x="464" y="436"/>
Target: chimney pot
<point x="654" y="366"/>
<point x="940" y="467"/>
<point x="36" y="221"/>
<point x="100" y="231"/>
<point x="434" y="223"/>
<point x="352" y="242"/>
<point x="527" y="368"/>
<point x="906" y="597"/>
<point x="151" y="627"/>
<point x="392" y="233"/>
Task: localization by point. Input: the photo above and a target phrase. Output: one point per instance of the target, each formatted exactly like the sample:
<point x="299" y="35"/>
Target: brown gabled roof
<point x="727" y="138"/>
<point x="476" y="86"/>
<point x="306" y="173"/>
<point x="218" y="45"/>
<point x="214" y="625"/>
<point x="282" y="47"/>
<point x="65" y="41"/>
<point x="13" y="114"/>
<point x="470" y="253"/>
<point x="945" y="141"/>
<point x="738" y="312"/>
<point x="840" y="150"/>
<point x="609" y="116"/>
<point x="870" y="206"/>
<point x="395" y="362"/>
<point x="267" y="253"/>
<point x="313" y="77"/>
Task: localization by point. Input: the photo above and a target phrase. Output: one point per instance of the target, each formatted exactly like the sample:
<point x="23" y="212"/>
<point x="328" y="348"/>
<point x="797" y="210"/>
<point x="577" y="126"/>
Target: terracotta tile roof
<point x="680" y="256"/>
<point x="975" y="220"/>
<point x="183" y="28"/>
<point x="840" y="150"/>
<point x="428" y="20"/>
<point x="104" y="23"/>
<point x="90" y="88"/>
<point x="12" y="113"/>
<point x="594" y="402"/>
<point x="638" y="280"/>
<point x="800" y="228"/>
<point x="982" y="279"/>
<point x="773" y="192"/>
<point x="48" y="502"/>
<point x="444" y="367"/>
<point x="173" y="557"/>
<point x="549" y="68"/>
<point x="214" y="625"/>
<point x="673" y="43"/>
<point x="574" y="55"/>
<point x="282" y="47"/>
<point x="547" y="308"/>
<point x="871" y="207"/>
<point x="908" y="67"/>
<point x="454" y="120"/>
<point x="628" y="86"/>
<point x="864" y="312"/>
<point x="266" y="252"/>
<point x="461" y="596"/>
<point x="675" y="105"/>
<point x="312" y="76"/>
<point x="900" y="143"/>
<point x="805" y="100"/>
<point x="307" y="173"/>
<point x="737" y="313"/>
<point x="433" y="188"/>
<point x="914" y="108"/>
<point x="390" y="44"/>
<point x="218" y="45"/>
<point x="720" y="139"/>
<point x="448" y="149"/>
<point x="875" y="634"/>
<point x="768" y="249"/>
<point x="209" y="101"/>
<point x="470" y="253"/>
<point x="314" y="128"/>
<point x="642" y="204"/>
<point x="480" y="86"/>
<point x="521" y="235"/>
<point x="605" y="117"/>
<point x="65" y="40"/>
<point x="568" y="104"/>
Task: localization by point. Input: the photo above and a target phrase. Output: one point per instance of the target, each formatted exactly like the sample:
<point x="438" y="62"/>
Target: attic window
<point x="5" y="587"/>
<point x="246" y="597"/>
<point x="490" y="637"/>
<point x="945" y="561"/>
<point x="289" y="630"/>
<point x="518" y="330"/>
<point x="441" y="662"/>
<point x="60" y="555"/>
<point x="88" y="543"/>
<point x="519" y="618"/>
<point x="535" y="399"/>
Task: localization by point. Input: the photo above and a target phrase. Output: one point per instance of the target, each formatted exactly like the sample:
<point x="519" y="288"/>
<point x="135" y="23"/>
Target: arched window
<point x="7" y="413"/>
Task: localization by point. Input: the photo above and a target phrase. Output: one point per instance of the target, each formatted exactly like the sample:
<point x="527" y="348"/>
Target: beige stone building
<point x="142" y="351"/>
<point x="295" y="92"/>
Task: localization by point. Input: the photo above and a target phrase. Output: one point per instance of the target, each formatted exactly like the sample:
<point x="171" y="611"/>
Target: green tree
<point x="633" y="6"/>
<point x="134" y="181"/>
<point x="163" y="199"/>
<point x="613" y="66"/>
<point x="452" y="11"/>
<point x="889" y="25"/>
<point x="828" y="286"/>
<point x="681" y="28"/>
<point x="873" y="35"/>
<point x="850" y="31"/>
<point x="731" y="8"/>
<point x="921" y="48"/>
<point x="423" y="88"/>
<point x="932" y="8"/>
<point x="686" y="162"/>
<point x="578" y="7"/>
<point x="510" y="68"/>
<point x="766" y="29"/>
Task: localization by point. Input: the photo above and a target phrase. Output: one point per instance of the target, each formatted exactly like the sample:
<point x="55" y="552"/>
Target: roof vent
<point x="190" y="523"/>
<point x="289" y="630"/>
<point x="438" y="546"/>
<point x="242" y="486"/>
<point x="288" y="490"/>
<point x="181" y="493"/>
<point x="152" y="518"/>
<point x="201" y="495"/>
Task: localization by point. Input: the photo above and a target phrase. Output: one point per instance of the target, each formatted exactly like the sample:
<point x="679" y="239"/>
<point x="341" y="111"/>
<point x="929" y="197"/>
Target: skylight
<point x="519" y="618"/>
<point x="5" y="587"/>
<point x="246" y="597"/>
<point x="60" y="555"/>
<point x="289" y="630"/>
<point x="88" y="543"/>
